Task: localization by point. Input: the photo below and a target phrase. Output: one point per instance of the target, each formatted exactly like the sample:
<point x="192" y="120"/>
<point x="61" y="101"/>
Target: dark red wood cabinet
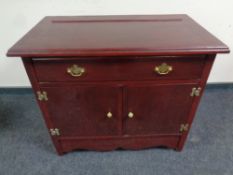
<point x="108" y="82"/>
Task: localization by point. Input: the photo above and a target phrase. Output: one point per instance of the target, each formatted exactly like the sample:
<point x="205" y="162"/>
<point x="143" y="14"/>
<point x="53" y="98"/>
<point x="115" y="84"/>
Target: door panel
<point x="82" y="110"/>
<point x="157" y="109"/>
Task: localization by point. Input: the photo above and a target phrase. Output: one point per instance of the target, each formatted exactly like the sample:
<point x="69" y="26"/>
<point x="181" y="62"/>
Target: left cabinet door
<point x="84" y="110"/>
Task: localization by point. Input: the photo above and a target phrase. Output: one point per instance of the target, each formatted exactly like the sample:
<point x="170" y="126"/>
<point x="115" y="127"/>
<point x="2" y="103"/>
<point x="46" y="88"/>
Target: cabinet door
<point x="84" y="110"/>
<point x="156" y="109"/>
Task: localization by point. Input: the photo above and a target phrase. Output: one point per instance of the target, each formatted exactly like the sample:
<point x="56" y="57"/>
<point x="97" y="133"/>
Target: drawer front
<point x="150" y="68"/>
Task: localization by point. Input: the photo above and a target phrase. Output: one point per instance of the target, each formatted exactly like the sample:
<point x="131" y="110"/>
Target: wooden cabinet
<point x="111" y="82"/>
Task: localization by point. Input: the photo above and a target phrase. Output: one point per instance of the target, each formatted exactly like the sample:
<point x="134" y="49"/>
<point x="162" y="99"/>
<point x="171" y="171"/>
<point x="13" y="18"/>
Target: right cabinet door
<point x="156" y="109"/>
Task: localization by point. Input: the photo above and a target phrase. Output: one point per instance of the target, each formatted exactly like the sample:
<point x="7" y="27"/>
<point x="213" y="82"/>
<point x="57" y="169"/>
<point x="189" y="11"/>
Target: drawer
<point x="147" y="68"/>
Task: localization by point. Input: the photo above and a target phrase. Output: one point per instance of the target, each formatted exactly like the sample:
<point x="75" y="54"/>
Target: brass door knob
<point x="109" y="115"/>
<point x="163" y="69"/>
<point x="130" y="115"/>
<point x="75" y="70"/>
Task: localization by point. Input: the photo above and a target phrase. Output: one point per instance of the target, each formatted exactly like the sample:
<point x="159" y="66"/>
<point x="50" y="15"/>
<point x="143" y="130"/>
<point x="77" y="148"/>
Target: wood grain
<point x="117" y="35"/>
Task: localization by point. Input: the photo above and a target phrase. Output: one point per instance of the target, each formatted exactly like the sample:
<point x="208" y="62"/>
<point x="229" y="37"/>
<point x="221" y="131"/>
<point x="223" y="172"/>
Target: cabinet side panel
<point x="205" y="74"/>
<point x="33" y="79"/>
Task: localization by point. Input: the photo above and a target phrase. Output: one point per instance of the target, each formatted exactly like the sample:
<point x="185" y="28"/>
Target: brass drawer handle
<point x="75" y="70"/>
<point x="163" y="69"/>
<point x="109" y="115"/>
<point x="130" y="115"/>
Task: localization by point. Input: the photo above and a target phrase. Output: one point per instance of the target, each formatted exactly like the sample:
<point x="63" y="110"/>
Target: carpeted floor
<point x="25" y="147"/>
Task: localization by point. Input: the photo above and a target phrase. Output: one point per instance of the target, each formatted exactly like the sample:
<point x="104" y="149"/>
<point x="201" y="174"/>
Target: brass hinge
<point x="195" y="92"/>
<point x="54" y="132"/>
<point x="42" y="95"/>
<point x="184" y="127"/>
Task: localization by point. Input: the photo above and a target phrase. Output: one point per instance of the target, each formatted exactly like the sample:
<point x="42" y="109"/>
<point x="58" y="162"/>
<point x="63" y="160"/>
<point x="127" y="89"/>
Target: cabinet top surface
<point x="117" y="35"/>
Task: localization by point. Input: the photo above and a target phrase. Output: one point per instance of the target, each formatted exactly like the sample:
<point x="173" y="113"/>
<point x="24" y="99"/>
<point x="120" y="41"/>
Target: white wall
<point x="17" y="17"/>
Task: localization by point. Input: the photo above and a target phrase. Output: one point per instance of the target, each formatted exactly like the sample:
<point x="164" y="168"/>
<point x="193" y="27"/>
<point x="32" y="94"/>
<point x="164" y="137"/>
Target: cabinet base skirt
<point x="64" y="145"/>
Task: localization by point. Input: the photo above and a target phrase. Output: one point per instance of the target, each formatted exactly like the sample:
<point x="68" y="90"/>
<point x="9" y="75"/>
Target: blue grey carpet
<point x="25" y="146"/>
